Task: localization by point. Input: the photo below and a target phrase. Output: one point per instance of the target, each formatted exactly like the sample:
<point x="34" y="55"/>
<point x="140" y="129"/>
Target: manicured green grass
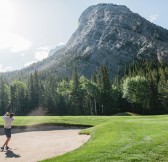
<point x="125" y="139"/>
<point x="58" y="120"/>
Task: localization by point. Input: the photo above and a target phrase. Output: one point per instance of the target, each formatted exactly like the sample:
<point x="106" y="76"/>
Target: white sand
<point x="40" y="145"/>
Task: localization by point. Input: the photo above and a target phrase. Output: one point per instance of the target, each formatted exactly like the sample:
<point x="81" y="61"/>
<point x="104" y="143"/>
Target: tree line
<point x="142" y="88"/>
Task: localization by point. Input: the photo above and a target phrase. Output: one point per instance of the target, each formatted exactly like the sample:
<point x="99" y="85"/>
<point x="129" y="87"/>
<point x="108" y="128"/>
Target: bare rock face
<point x="110" y="35"/>
<point x="114" y="36"/>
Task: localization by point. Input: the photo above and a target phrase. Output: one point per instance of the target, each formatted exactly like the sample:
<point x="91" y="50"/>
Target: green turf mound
<point x="126" y="114"/>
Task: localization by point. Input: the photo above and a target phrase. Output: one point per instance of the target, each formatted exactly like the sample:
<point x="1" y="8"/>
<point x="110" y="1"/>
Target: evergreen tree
<point x="76" y="97"/>
<point x="64" y="91"/>
<point x="34" y="90"/>
<point x="52" y="98"/>
<point x="4" y="96"/>
<point x="106" y="98"/>
<point x="18" y="97"/>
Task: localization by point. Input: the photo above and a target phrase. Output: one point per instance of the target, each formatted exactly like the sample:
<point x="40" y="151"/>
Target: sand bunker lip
<point x="44" y="127"/>
<point x="39" y="142"/>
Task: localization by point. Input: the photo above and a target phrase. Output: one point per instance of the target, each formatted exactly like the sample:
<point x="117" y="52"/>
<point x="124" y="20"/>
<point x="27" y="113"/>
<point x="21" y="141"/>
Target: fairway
<point x="113" y="138"/>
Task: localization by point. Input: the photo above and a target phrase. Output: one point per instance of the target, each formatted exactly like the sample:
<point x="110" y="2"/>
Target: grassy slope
<point x="114" y="138"/>
<point x="76" y="120"/>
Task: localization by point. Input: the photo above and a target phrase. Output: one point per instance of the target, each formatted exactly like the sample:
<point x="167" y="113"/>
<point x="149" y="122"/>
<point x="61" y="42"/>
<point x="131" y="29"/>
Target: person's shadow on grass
<point x="11" y="154"/>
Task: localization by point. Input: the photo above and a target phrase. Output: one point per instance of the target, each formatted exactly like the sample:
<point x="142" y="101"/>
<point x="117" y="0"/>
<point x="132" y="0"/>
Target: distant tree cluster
<point x="143" y="89"/>
<point x="145" y="86"/>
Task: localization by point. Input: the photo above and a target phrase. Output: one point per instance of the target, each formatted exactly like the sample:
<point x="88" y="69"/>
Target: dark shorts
<point x="7" y="132"/>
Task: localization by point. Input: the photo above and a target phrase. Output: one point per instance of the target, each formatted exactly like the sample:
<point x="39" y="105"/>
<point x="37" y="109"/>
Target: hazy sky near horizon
<point x="30" y="28"/>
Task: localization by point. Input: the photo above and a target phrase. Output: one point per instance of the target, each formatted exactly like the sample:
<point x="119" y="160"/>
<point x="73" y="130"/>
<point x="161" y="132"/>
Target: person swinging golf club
<point x="8" y="120"/>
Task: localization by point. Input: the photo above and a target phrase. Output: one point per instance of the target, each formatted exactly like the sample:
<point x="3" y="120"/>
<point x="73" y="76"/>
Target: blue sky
<point x="30" y="28"/>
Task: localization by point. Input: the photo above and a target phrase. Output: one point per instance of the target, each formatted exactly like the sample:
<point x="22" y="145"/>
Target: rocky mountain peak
<point x="110" y="35"/>
<point x="97" y="12"/>
<point x="116" y="31"/>
<point x="120" y="16"/>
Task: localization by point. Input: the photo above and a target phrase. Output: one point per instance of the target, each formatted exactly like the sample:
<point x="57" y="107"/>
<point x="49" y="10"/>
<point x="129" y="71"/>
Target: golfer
<point x="8" y="119"/>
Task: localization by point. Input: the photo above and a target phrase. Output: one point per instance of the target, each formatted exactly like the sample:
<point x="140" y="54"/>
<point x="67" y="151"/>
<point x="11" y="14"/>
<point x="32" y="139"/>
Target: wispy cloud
<point x="61" y="43"/>
<point x="41" y="53"/>
<point x="44" y="48"/>
<point x="29" y="63"/>
<point x="13" y="42"/>
<point x="5" y="69"/>
<point x="22" y="54"/>
<point x="153" y="17"/>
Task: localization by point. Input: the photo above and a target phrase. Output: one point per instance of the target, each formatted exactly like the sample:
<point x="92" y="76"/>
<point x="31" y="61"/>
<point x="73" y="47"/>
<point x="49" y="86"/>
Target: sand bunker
<point x="39" y="145"/>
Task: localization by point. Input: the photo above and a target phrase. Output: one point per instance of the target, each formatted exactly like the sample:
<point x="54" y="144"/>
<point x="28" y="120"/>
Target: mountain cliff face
<point x="114" y="36"/>
<point x="52" y="51"/>
<point x="108" y="35"/>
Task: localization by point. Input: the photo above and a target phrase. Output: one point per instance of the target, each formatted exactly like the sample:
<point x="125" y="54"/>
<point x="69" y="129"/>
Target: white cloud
<point x="29" y="63"/>
<point x="22" y="54"/>
<point x="5" y="69"/>
<point x="41" y="53"/>
<point x="153" y="17"/>
<point x="61" y="43"/>
<point x="45" y="48"/>
<point x="13" y="42"/>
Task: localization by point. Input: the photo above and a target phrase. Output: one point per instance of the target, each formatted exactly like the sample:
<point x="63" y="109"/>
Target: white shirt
<point x="7" y="121"/>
